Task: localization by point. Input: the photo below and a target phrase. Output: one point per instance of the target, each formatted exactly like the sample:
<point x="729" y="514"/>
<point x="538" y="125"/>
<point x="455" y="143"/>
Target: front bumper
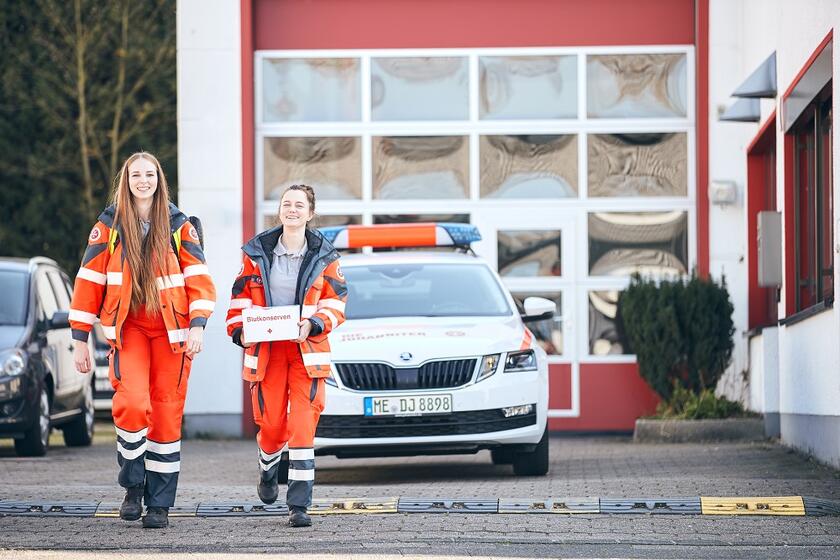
<point x="477" y="421"/>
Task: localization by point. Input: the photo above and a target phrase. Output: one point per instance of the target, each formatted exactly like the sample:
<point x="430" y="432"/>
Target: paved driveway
<point x="606" y="467"/>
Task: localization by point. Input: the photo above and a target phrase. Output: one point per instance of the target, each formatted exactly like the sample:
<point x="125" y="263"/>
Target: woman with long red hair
<point x="144" y="276"/>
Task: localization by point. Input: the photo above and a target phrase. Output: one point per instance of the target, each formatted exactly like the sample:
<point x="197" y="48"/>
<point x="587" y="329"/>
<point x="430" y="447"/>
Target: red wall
<point x="760" y="299"/>
<point x="612" y="396"/>
<point x="380" y="24"/>
<point x="560" y="386"/>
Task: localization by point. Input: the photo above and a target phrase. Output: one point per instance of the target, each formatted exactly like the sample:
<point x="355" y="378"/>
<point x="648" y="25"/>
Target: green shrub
<point x="680" y="330"/>
<point x="687" y="405"/>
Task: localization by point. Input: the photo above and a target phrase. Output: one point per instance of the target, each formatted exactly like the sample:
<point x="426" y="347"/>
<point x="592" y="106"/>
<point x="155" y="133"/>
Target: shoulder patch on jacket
<point x="95" y="234"/>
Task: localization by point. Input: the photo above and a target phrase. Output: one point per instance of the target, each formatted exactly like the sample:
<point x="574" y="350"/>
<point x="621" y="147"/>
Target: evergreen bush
<point x="680" y="330"/>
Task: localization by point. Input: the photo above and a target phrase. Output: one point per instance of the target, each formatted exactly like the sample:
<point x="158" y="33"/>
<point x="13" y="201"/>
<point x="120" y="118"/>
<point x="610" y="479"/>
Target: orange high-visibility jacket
<point x="321" y="292"/>
<point x="103" y="284"/>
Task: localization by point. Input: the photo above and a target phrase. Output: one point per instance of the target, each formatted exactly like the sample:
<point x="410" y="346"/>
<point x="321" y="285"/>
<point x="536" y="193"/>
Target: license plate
<point x="408" y="405"/>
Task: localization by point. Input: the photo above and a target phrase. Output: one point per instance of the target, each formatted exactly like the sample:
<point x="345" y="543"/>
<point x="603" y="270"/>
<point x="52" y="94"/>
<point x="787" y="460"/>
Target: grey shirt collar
<point x="280" y="249"/>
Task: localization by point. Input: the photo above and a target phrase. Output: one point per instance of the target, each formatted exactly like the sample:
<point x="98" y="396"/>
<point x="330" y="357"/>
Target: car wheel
<point x="501" y="456"/>
<point x="36" y="440"/>
<point x="534" y="463"/>
<point x="79" y="432"/>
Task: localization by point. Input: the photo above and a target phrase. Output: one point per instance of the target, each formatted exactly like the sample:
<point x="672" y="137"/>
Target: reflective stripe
<point x="316" y="359"/>
<point x="115" y="278"/>
<point x="241" y="303"/>
<point x="526" y="340"/>
<point x="251" y="361"/>
<point x="301" y="474"/>
<point x="203" y="304"/>
<point x="132" y="437"/>
<point x="161" y="467"/>
<point x="131" y="454"/>
<point x="301" y="454"/>
<point x="308" y="311"/>
<point x="232" y="320"/>
<point x="171" y="281"/>
<point x="82" y="316"/>
<point x="267" y="466"/>
<point x="332" y="303"/>
<point x="178" y="335"/>
<point x="164" y="448"/>
<point x="329" y="314"/>
<point x="196" y="270"/>
<point x="91" y="276"/>
<point x="270" y="456"/>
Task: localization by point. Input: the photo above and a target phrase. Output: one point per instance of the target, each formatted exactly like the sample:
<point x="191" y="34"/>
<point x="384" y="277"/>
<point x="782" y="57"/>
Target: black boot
<point x="267" y="490"/>
<point x="132" y="507"/>
<point x="156" y="518"/>
<point x="298" y="517"/>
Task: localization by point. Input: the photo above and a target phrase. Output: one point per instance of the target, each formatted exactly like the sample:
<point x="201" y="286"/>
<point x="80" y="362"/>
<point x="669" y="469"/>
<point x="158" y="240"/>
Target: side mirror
<point x="60" y="320"/>
<point x="538" y="309"/>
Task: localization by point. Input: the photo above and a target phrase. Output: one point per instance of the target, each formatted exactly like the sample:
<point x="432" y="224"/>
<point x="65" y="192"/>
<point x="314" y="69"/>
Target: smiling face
<point x="142" y="179"/>
<point x="295" y="210"/>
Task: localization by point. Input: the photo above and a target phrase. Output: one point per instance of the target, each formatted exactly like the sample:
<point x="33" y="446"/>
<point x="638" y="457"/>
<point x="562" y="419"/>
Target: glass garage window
<point x="529" y="253"/>
<point x="421" y="88"/>
<point x="638" y="164"/>
<point x="311" y="90"/>
<point x="528" y="87"/>
<point x="650" y="243"/>
<point x="529" y="166"/>
<point x="421" y="218"/>
<point x="330" y="165"/>
<point x="605" y="337"/>
<point x="636" y="86"/>
<point x="420" y="167"/>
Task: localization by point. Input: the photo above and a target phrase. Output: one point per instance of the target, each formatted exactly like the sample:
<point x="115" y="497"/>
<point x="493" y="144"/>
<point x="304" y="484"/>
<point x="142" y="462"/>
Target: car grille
<point x="382" y="377"/>
<point x="456" y="423"/>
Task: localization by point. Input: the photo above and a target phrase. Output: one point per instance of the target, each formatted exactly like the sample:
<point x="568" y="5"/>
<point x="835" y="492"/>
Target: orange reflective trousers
<point x="150" y="381"/>
<point x="287" y="404"/>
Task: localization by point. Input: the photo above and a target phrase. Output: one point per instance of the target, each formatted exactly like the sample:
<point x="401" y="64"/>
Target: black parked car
<point x="103" y="391"/>
<point x="40" y="388"/>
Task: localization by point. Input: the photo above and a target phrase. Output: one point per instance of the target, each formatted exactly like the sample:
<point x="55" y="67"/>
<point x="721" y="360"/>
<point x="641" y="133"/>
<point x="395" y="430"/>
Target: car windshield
<point x="13" y="297"/>
<point x="425" y="290"/>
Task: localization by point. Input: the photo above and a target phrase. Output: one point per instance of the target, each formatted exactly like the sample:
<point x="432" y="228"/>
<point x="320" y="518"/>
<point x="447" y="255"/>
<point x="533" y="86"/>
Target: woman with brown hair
<point x="290" y="264"/>
<point x="144" y="276"/>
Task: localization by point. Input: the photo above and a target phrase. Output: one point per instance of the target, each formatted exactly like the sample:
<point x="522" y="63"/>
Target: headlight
<point x="13" y="362"/>
<point x="521" y="361"/>
<point x="488" y="366"/>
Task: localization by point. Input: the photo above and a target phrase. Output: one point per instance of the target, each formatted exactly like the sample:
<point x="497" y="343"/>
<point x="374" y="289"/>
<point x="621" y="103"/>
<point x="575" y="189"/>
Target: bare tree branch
<point x="81" y="43"/>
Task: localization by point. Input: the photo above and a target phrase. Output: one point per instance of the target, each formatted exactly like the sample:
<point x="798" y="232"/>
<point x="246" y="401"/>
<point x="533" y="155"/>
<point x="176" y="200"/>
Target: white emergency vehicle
<point x="434" y="357"/>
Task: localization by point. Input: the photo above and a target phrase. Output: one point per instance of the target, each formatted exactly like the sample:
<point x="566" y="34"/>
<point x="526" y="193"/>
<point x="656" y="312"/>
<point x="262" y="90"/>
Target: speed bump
<point x="381" y="505"/>
<point x="48" y="509"/>
<point x="113" y="510"/>
<point x="819" y="506"/>
<point x="673" y="506"/>
<point x="440" y="505"/>
<point x="551" y="505"/>
<point x="785" y="505"/>
<point x="234" y="509"/>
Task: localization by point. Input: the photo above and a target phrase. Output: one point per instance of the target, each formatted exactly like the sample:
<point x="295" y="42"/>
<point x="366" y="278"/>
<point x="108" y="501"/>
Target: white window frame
<point x="575" y="288"/>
